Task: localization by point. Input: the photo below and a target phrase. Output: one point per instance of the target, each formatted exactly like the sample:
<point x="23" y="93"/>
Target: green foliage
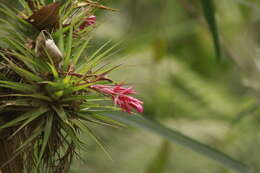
<point x="48" y="122"/>
<point x="47" y="102"/>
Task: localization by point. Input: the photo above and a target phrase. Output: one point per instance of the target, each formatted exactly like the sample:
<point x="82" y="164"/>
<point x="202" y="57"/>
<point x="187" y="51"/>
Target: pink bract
<point x="91" y="20"/>
<point x="120" y="96"/>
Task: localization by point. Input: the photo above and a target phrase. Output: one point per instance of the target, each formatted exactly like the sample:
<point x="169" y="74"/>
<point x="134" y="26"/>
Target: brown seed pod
<point x="47" y="17"/>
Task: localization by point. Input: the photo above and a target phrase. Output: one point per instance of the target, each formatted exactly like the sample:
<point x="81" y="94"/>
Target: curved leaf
<point x="209" y="14"/>
<point x="179" y="138"/>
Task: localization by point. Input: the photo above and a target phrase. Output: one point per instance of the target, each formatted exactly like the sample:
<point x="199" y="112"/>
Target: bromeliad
<point x="50" y="85"/>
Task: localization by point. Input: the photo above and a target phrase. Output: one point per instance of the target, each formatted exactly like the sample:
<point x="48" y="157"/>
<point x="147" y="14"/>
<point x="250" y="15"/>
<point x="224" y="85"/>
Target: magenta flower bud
<point x="120" y="96"/>
<point x="128" y="102"/>
<point x="91" y="20"/>
<point x="108" y="90"/>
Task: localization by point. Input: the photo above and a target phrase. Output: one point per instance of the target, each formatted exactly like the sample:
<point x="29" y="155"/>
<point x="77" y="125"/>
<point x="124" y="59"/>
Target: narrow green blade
<point x="22" y="72"/>
<point x="18" y="86"/>
<point x="68" y="48"/>
<point x="33" y="116"/>
<point x="209" y="14"/>
<point x="177" y="137"/>
<point x="80" y="51"/>
<point x="25" y="116"/>
<point x="60" y="112"/>
<point x="47" y="133"/>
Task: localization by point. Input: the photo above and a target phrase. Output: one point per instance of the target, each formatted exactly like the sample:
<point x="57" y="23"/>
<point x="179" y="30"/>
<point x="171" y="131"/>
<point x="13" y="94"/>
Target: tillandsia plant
<point x="50" y="85"/>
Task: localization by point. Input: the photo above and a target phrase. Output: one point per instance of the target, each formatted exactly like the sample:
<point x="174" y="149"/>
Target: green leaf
<point x="68" y="48"/>
<point x="36" y="96"/>
<point x="209" y="14"/>
<point x="35" y="133"/>
<point x="85" y="97"/>
<point x="66" y="9"/>
<point x="7" y="11"/>
<point x="27" y="60"/>
<point x="20" y="149"/>
<point x="18" y="86"/>
<point x="86" y="129"/>
<point x="47" y="133"/>
<point x="18" y="102"/>
<point x="94" y="120"/>
<point x="81" y="87"/>
<point x="26" y="7"/>
<point x="94" y="60"/>
<point x="42" y="2"/>
<point x="33" y="116"/>
<point x="25" y="116"/>
<point x="60" y="112"/>
<point x="18" y="45"/>
<point x="181" y="139"/>
<point x="12" y="13"/>
<point x="71" y="132"/>
<point x="93" y="56"/>
<point x="25" y="54"/>
<point x="80" y="51"/>
<point x="61" y="38"/>
<point x="22" y="72"/>
<point x="54" y="71"/>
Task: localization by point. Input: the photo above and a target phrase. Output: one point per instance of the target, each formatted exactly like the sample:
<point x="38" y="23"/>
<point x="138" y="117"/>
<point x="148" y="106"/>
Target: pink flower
<point x="87" y="22"/>
<point x="120" y="96"/>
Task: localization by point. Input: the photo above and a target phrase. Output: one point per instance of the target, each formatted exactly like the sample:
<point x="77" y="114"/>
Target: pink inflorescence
<point x="120" y="96"/>
<point x="91" y="20"/>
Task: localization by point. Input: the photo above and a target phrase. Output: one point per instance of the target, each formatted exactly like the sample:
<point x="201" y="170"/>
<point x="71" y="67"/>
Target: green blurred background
<point x="167" y="54"/>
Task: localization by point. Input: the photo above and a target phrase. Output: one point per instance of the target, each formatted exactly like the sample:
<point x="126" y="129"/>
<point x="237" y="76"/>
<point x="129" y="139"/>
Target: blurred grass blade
<point x="250" y="110"/>
<point x="177" y="137"/>
<point x="209" y="14"/>
<point x="159" y="162"/>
